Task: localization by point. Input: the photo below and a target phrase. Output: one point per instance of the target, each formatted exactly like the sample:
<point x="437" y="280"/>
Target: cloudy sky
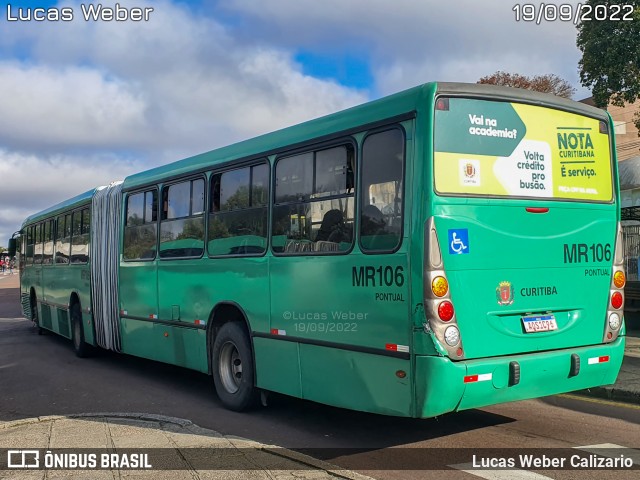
<point x="83" y="103"/>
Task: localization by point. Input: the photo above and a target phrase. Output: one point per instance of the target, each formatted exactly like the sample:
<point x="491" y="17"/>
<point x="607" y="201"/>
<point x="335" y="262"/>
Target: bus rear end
<point x="523" y="266"/>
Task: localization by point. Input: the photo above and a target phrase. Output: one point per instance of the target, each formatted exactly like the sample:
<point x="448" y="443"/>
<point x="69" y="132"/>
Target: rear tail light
<point x="442" y="104"/>
<point x="614" y="318"/>
<point x="441" y="319"/>
<point x="616" y="300"/>
<point x="445" y="311"/>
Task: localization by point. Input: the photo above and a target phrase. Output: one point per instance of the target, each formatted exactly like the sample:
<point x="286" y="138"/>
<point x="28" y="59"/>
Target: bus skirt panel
<point x="443" y="386"/>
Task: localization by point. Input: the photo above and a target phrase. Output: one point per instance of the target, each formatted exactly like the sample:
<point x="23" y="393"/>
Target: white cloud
<point x="81" y="99"/>
<point x="414" y="41"/>
<point x="178" y="79"/>
<point x="57" y="176"/>
<point x="32" y="182"/>
<point x="67" y="107"/>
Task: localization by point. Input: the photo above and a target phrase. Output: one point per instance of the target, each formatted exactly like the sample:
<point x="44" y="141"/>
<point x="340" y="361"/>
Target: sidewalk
<point x="175" y="449"/>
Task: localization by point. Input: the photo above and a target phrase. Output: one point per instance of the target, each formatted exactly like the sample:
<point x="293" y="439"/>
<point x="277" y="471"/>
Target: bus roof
<point x="81" y="199"/>
<point x="370" y="113"/>
<point x="496" y="92"/>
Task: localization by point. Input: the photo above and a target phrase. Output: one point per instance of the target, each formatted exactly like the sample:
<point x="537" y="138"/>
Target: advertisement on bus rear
<point x="491" y="148"/>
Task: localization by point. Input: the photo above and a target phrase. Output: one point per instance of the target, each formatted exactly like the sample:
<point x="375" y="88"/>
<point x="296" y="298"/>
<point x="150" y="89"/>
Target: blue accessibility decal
<point x="459" y="241"/>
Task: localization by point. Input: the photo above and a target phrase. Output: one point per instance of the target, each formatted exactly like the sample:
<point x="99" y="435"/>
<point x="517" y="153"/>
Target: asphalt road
<point x="40" y="375"/>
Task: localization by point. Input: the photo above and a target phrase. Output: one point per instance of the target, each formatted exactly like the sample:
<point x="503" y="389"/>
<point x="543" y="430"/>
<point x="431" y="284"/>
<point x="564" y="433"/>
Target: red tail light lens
<point x="616" y="300"/>
<point x="442" y="104"/>
<point x="445" y="311"/>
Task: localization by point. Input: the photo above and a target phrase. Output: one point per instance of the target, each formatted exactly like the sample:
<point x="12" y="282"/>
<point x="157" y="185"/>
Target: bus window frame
<point x="60" y="224"/>
<point x="382" y="129"/>
<point x="161" y="212"/>
<point x="313" y="147"/>
<point x="240" y="164"/>
<point x="28" y="260"/>
<point x="143" y="190"/>
<point x="37" y="233"/>
<point x="51" y="223"/>
<point x="80" y="211"/>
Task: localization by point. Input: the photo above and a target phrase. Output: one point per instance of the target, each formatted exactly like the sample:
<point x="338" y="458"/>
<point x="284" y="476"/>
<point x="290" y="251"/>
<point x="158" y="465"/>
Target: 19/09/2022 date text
<point x="566" y="12"/>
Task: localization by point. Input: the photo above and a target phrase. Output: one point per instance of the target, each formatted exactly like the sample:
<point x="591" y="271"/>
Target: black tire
<point x="34" y="314"/>
<point x="232" y="366"/>
<point x="80" y="347"/>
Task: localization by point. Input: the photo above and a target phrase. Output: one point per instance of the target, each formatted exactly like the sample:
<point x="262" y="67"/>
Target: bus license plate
<point x="539" y="323"/>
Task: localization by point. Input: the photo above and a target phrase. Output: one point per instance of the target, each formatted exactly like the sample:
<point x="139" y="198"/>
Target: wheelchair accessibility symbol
<point x="459" y="241"/>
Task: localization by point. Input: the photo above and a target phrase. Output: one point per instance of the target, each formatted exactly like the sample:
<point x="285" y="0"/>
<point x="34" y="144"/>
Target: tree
<point x="549" y="83"/>
<point x="610" y="63"/>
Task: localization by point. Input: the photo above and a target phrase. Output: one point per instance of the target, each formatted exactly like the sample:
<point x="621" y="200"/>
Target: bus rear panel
<point x="523" y="271"/>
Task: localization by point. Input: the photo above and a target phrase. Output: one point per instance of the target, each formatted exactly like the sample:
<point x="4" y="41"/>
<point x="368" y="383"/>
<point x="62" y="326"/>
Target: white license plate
<point x="539" y="323"/>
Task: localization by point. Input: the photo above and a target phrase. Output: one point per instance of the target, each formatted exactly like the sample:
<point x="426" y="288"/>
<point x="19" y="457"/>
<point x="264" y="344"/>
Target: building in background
<point x="627" y="140"/>
<point x="628" y="150"/>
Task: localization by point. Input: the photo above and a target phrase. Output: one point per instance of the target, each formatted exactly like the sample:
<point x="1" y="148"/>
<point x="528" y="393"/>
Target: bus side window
<point x="29" y="246"/>
<point x="37" y="251"/>
<point x="314" y="202"/>
<point x="76" y="237"/>
<point x="47" y="254"/>
<point x="62" y="247"/>
<point x="140" y="227"/>
<point x="80" y="236"/>
<point x="381" y="214"/>
<point x="238" y="219"/>
<point x="182" y="222"/>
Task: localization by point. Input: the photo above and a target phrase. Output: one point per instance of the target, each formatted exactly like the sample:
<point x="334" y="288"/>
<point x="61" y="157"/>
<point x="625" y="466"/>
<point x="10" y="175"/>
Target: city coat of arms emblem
<point x="470" y="170"/>
<point x="504" y="293"/>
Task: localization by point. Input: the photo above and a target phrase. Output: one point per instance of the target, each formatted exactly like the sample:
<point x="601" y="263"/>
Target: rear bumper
<point x="441" y="387"/>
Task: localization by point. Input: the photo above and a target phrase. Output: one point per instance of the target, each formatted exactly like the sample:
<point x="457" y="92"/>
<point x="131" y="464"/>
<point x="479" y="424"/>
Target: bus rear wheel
<point x="80" y="347"/>
<point x="233" y="374"/>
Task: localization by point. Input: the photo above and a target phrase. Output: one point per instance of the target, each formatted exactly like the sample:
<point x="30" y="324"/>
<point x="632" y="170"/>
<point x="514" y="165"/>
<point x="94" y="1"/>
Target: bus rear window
<point x="502" y="149"/>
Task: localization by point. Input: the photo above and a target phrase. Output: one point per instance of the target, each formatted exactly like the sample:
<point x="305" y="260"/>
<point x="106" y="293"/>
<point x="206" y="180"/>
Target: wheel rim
<point x="230" y="367"/>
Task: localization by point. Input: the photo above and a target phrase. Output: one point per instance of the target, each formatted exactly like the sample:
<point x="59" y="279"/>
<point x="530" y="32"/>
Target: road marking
<point x="506" y="474"/>
<point x="600" y="401"/>
<point x="611" y="450"/>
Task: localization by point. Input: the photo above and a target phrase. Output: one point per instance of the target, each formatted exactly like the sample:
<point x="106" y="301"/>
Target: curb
<point x="611" y="393"/>
<point x="327" y="467"/>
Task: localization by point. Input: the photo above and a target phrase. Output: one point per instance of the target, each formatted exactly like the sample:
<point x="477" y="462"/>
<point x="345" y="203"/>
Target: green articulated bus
<point x="444" y="248"/>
